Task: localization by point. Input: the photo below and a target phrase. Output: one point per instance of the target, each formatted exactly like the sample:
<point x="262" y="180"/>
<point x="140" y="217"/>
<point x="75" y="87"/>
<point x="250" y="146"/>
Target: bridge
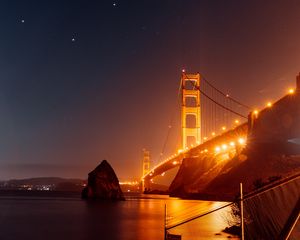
<point x="212" y="123"/>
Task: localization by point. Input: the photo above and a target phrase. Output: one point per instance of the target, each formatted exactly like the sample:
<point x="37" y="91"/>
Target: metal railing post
<point x="242" y="211"/>
<point x="165" y="223"/>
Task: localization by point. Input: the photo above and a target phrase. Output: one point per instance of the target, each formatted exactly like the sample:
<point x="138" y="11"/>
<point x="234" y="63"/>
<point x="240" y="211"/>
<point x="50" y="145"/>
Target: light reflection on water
<point x="140" y="217"/>
<point x="205" y="227"/>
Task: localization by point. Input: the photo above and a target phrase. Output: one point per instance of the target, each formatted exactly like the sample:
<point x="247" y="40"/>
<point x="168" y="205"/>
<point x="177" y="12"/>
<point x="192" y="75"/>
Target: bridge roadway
<point x="222" y="143"/>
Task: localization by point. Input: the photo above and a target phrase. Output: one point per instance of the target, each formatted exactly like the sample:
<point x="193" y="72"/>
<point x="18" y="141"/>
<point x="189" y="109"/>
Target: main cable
<point x="225" y="95"/>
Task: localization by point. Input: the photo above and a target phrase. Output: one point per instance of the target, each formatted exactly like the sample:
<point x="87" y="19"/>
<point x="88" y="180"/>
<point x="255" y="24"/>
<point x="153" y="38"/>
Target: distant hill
<point x="44" y="183"/>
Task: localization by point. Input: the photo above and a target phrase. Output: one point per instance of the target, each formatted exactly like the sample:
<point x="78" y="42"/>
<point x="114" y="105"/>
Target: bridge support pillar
<point x="146" y="169"/>
<point x="190" y="88"/>
<point x="146" y="185"/>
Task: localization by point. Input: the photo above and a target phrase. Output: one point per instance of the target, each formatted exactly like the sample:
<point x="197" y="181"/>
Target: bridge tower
<point x="146" y="169"/>
<point x="146" y="162"/>
<point x="190" y="106"/>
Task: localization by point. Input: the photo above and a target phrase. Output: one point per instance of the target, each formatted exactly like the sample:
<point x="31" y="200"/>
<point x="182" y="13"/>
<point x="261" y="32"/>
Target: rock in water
<point x="103" y="184"/>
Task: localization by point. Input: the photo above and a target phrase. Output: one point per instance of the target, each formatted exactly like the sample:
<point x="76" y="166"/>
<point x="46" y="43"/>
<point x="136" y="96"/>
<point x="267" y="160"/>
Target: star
<point x="73" y="39"/>
<point x="22" y="21"/>
<point x="114" y="4"/>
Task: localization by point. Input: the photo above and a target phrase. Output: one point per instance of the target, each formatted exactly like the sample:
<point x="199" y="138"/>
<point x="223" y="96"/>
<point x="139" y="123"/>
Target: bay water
<point x="142" y="217"/>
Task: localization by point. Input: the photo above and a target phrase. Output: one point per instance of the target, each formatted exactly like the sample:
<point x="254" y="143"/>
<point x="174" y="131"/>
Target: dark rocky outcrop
<point x="103" y="184"/>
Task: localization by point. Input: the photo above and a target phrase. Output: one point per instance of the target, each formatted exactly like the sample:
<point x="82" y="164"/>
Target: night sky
<point x="82" y="81"/>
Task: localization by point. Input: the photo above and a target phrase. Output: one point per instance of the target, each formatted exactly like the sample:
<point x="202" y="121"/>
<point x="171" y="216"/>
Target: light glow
<point x="175" y="162"/>
<point x="217" y="149"/>
<point x="291" y="91"/>
<point x="224" y="146"/>
<point x="269" y="104"/>
<point x="129" y="183"/>
<point x="241" y="141"/>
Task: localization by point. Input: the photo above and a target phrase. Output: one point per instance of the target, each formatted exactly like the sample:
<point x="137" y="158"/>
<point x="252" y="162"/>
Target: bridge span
<point x="225" y="145"/>
<point x="213" y="110"/>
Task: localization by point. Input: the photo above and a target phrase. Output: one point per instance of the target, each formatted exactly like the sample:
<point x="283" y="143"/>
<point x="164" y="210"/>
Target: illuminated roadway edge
<point x="207" y="148"/>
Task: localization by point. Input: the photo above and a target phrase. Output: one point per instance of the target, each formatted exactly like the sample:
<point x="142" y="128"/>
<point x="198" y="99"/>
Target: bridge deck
<point x="212" y="146"/>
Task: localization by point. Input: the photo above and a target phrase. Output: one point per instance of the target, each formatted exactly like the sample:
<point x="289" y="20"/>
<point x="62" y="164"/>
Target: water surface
<point x="139" y="217"/>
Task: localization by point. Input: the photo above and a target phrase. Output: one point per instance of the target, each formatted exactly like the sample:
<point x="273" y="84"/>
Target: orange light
<point x="174" y="162"/>
<point x="224" y="146"/>
<point x="232" y="144"/>
<point x="237" y="121"/>
<point x="291" y="91"/>
<point x="205" y="138"/>
<point x="205" y="150"/>
<point x="217" y="149"/>
<point x="269" y="104"/>
<point x="255" y="112"/>
<point x="223" y="128"/>
<point x="213" y="133"/>
<point x="241" y="140"/>
<point x="180" y="151"/>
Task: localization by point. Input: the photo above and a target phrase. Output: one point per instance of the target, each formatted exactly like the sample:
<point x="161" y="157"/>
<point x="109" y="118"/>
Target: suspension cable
<point x="225" y="95"/>
<point x="222" y="106"/>
<point x="170" y="125"/>
<point x="219" y="104"/>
